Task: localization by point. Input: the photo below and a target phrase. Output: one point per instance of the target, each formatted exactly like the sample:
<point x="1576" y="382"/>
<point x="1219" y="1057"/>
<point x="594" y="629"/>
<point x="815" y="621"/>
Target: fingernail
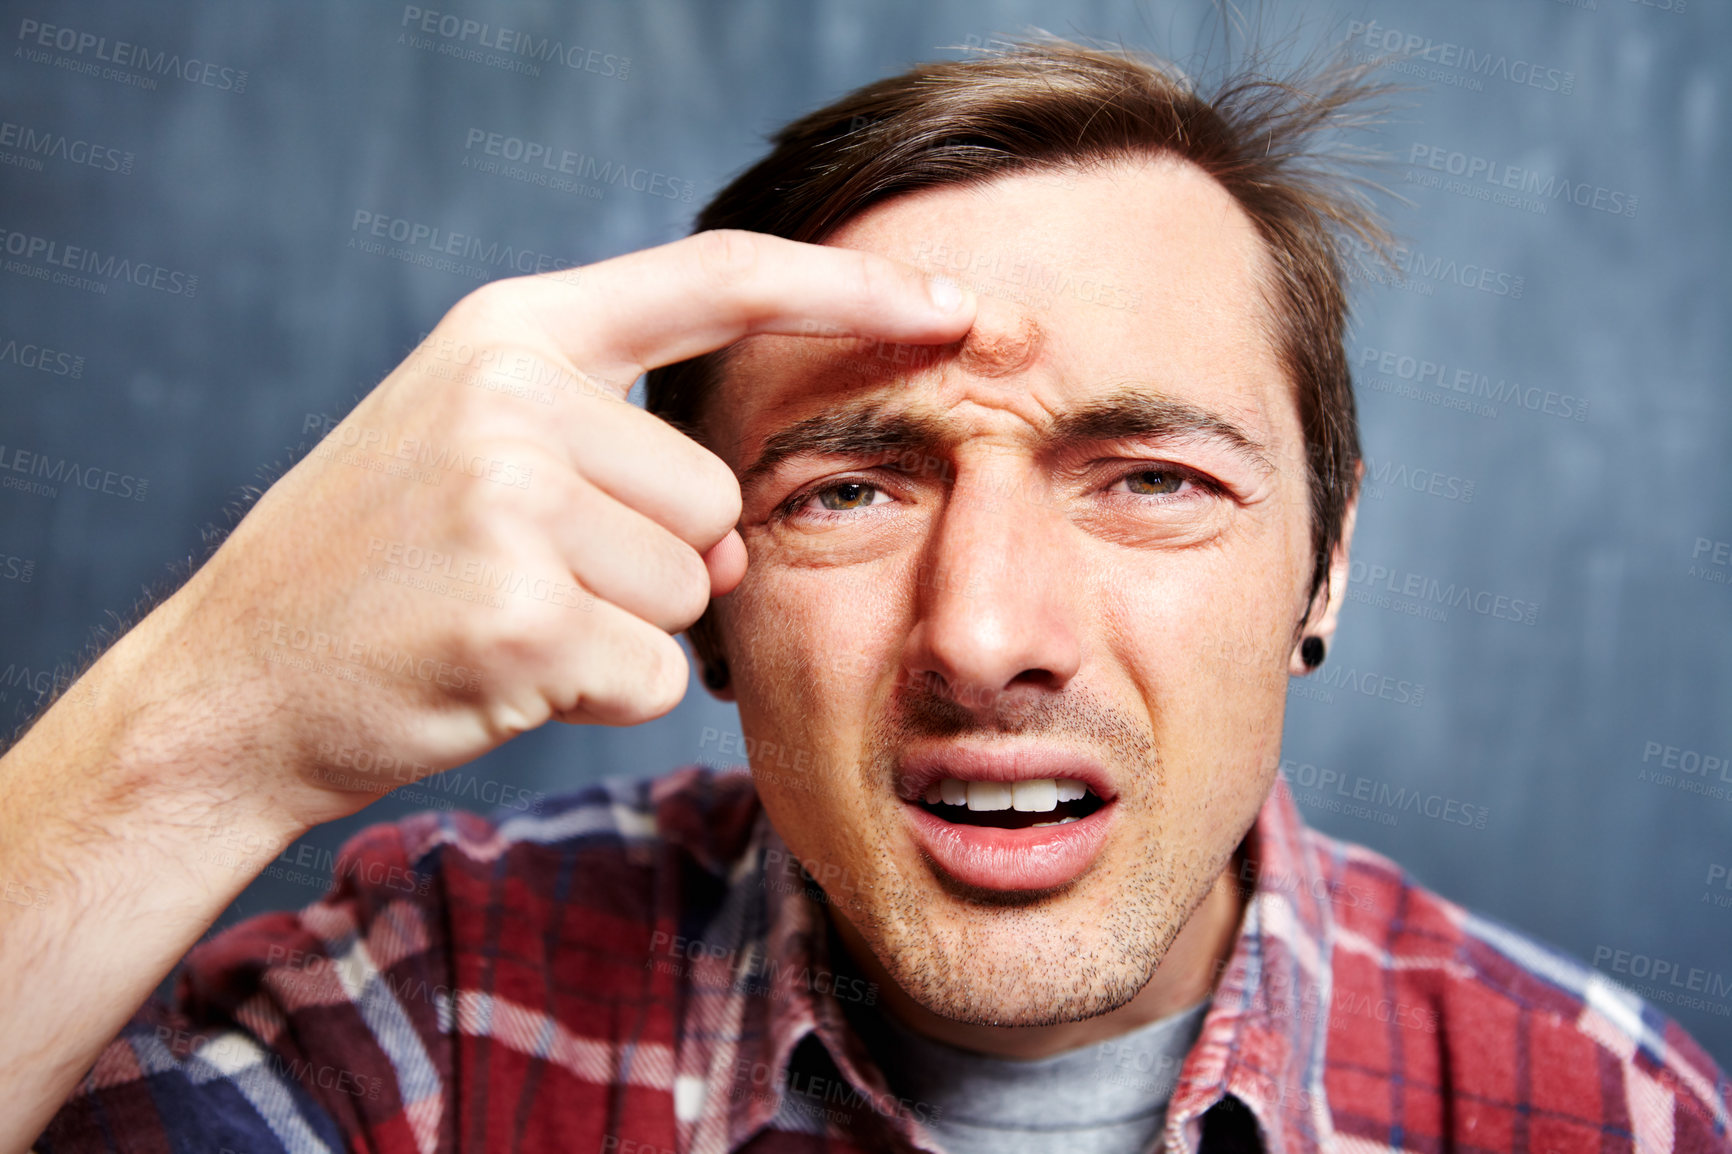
<point x="945" y="293"/>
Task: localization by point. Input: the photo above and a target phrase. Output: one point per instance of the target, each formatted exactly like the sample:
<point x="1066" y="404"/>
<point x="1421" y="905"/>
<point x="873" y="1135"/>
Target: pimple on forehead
<point x="1004" y="340"/>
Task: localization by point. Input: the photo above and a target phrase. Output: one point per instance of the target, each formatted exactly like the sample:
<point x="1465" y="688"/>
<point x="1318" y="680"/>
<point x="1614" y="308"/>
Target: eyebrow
<point x="870" y="428"/>
<point x="859" y="429"/>
<point x="1130" y="412"/>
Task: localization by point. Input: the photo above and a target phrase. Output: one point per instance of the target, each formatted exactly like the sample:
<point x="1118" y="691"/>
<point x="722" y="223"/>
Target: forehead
<point x="1140" y="273"/>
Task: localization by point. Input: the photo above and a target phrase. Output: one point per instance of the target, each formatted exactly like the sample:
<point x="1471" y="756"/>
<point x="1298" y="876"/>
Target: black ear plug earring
<point x="1311" y="652"/>
<point x="716" y="674"/>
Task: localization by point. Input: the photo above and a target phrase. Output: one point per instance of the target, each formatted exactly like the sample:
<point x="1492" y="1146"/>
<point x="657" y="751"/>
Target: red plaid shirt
<point x="645" y="969"/>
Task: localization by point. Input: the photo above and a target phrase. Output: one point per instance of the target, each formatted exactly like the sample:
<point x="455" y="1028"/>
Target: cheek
<point x="1204" y="637"/>
<point x="1211" y="616"/>
<point x="798" y="636"/>
<point x="812" y="654"/>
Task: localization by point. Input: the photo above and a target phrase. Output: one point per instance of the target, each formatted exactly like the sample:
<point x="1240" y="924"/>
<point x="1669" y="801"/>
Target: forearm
<point x="128" y="827"/>
<point x="186" y="759"/>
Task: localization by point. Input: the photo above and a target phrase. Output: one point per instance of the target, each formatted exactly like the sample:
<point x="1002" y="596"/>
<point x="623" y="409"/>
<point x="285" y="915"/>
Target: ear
<point x="712" y="662"/>
<point x="1325" y="607"/>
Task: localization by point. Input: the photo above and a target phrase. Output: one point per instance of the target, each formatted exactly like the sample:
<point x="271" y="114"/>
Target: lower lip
<point x="1011" y="860"/>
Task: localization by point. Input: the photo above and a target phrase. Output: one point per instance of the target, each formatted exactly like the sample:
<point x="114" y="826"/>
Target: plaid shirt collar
<point x="1439" y="1024"/>
<point x="1261" y="1041"/>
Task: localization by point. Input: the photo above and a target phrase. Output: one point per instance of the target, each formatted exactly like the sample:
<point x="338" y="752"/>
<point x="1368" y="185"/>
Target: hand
<point x="494" y="536"/>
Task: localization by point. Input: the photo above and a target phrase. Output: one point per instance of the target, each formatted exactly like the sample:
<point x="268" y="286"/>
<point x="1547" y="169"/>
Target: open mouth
<point x="983" y="822"/>
<point x="1027" y="804"/>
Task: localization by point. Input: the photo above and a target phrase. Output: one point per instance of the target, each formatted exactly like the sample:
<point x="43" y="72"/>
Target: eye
<point x="1156" y="482"/>
<point x="846" y="495"/>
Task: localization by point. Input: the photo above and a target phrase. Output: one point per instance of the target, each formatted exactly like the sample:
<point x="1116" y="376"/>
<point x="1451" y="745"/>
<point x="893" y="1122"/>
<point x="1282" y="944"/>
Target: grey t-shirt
<point x="1107" y="1098"/>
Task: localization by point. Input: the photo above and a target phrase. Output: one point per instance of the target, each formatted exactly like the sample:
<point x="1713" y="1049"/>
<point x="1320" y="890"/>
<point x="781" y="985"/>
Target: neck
<point x="1186" y="975"/>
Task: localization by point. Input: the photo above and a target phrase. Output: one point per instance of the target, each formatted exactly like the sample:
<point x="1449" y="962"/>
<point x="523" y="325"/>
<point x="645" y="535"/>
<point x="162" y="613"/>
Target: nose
<point x="999" y="597"/>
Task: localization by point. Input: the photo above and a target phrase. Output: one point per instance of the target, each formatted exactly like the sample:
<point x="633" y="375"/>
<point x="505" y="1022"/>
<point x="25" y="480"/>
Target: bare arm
<point x="115" y="856"/>
<point x="188" y="757"/>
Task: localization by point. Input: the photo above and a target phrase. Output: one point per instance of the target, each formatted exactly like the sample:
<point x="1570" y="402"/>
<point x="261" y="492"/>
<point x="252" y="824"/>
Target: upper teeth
<point x="1041" y="795"/>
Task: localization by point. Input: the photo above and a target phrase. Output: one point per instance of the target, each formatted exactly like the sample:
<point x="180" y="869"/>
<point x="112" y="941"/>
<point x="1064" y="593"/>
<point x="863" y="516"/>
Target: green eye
<point x="847" y="495"/>
<point x="1154" y="481"/>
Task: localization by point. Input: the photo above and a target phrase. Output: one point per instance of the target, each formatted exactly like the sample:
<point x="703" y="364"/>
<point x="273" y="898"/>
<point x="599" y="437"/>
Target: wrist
<point x="162" y="733"/>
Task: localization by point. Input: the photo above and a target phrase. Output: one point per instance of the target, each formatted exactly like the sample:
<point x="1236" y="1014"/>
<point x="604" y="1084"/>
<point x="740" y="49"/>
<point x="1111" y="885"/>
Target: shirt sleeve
<point x="326" y="1029"/>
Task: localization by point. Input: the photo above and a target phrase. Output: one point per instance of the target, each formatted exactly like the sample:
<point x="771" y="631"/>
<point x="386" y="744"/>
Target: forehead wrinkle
<point x="1003" y="341"/>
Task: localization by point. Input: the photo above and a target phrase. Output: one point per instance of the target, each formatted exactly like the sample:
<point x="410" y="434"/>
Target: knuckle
<point x="720" y="504"/>
<point x="483" y="307"/>
<point x="668" y="675"/>
<point x="727" y="255"/>
<point x="876" y="278"/>
<point x="502" y="643"/>
<point x="550" y="496"/>
<point x="689" y="592"/>
<point x="640" y="684"/>
<point x="479" y="511"/>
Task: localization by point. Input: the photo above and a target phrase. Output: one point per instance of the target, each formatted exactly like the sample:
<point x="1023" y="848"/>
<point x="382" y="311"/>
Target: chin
<point x="998" y="966"/>
<point x="1026" y="1005"/>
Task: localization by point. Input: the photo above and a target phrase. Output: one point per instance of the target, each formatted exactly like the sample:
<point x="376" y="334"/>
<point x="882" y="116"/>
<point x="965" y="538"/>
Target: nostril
<point x="1038" y="678"/>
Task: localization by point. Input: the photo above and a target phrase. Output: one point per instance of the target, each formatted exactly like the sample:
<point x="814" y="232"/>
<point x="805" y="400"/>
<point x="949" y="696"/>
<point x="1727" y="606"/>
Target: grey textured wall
<point x="1567" y="466"/>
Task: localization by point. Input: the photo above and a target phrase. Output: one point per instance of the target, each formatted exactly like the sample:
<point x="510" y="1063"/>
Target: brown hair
<point x="1050" y="103"/>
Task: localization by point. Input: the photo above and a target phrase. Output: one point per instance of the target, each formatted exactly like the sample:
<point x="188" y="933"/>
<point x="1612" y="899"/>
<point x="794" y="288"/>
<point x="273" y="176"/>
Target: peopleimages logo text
<point x="1501" y="175"/>
<point x="1378" y="38"/>
<point x="27" y="355"/>
<point x="1381" y="580"/>
<point x="513" y="42"/>
<point x="47" y="253"/>
<point x="554" y="160"/>
<point x="61" y="471"/>
<point x="36" y="144"/>
<point x="437" y="241"/>
<point x="1502" y="391"/>
<point x="137" y="57"/>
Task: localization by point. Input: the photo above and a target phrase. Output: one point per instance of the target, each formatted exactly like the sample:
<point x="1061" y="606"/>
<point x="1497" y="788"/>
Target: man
<point x="1030" y="562"/>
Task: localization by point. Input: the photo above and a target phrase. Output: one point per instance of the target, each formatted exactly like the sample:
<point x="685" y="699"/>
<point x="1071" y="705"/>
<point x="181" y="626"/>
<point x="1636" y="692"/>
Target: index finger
<point x="665" y="304"/>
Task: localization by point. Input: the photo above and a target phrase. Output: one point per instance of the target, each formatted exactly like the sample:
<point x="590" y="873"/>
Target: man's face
<point x="1073" y="548"/>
